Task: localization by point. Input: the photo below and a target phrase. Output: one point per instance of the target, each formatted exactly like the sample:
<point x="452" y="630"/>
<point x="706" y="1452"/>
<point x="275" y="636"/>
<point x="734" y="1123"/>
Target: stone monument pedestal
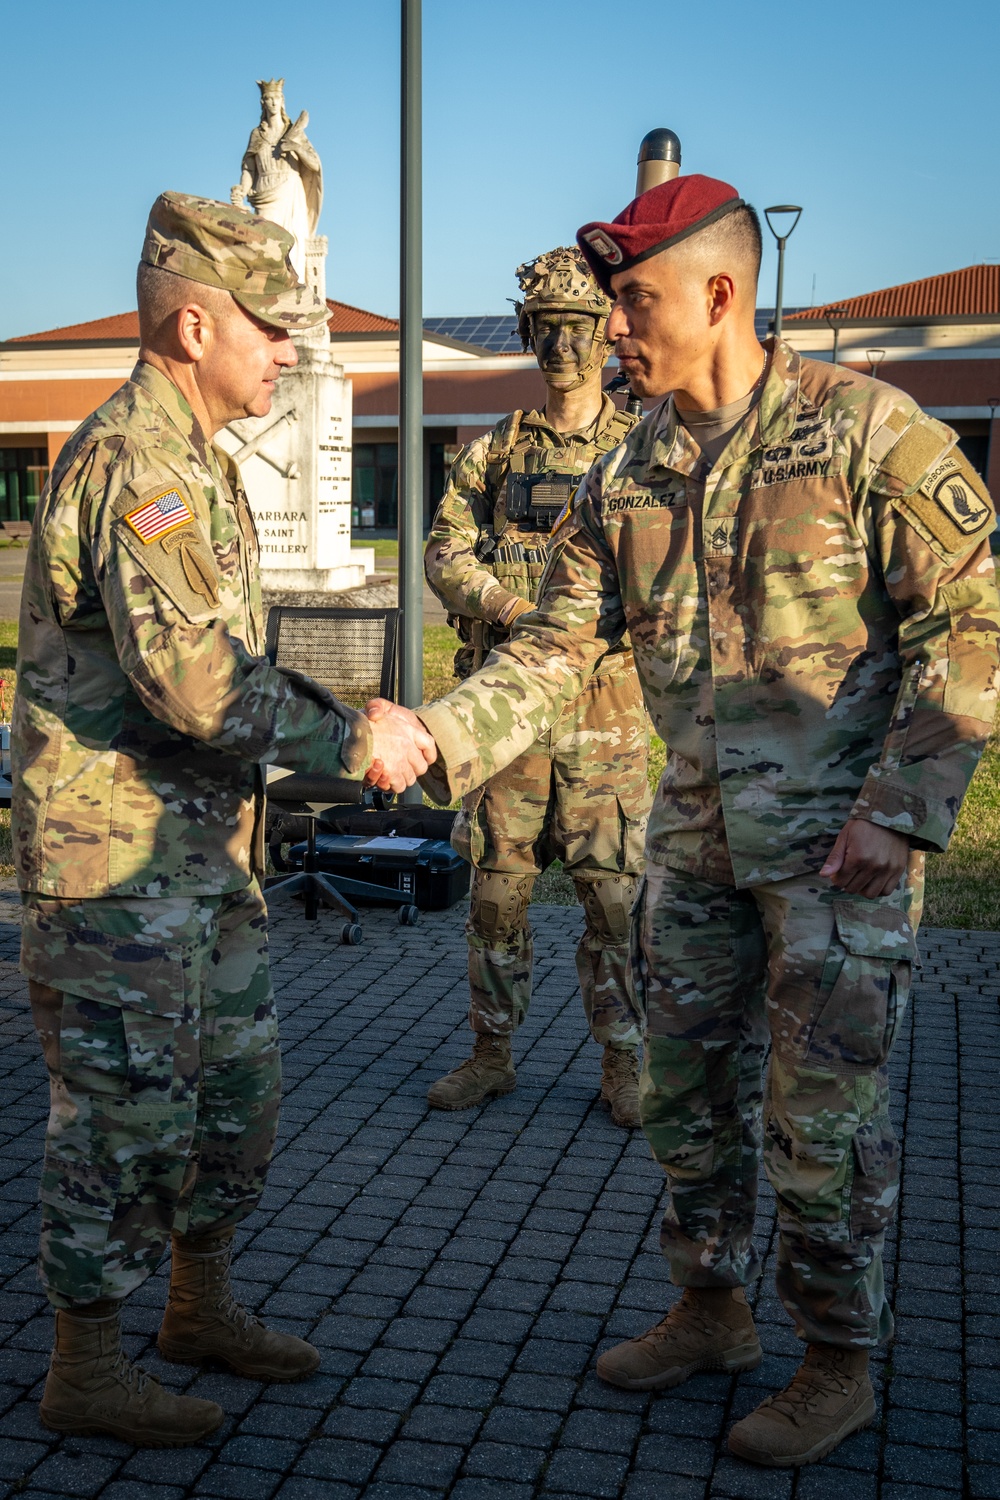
<point x="296" y="465"/>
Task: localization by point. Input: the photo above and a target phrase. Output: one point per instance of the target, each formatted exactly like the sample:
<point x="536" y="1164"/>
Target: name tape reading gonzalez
<point x="158" y="516"/>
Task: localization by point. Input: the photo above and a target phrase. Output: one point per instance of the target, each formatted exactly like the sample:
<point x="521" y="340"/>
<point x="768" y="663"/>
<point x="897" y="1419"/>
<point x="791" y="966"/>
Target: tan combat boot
<point x="203" y="1320"/>
<point x="829" y="1397"/>
<point x="487" y="1074"/>
<point x="620" y="1085"/>
<point x="710" y="1328"/>
<point x="93" y="1388"/>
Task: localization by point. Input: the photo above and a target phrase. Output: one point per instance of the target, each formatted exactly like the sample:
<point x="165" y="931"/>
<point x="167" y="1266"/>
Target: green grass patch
<point x="8" y="647"/>
<point x="385" y="546"/>
<point x="963" y="885"/>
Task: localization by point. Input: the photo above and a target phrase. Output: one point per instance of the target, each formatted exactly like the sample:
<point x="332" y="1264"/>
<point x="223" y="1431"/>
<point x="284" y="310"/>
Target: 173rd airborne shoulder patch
<point x="953" y="503"/>
<point x="945" y="499"/>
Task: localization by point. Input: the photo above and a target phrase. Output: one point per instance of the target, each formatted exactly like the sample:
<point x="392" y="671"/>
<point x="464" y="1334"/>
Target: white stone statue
<point x="282" y="175"/>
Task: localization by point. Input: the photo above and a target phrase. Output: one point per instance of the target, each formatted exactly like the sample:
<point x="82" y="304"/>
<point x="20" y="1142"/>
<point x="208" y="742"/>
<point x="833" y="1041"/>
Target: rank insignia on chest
<point x="163" y="513"/>
<point x="722" y="538"/>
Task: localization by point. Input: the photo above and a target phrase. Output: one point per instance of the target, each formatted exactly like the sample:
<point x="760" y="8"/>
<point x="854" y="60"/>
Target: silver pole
<point x="411" y="375"/>
<point x="779" y="295"/>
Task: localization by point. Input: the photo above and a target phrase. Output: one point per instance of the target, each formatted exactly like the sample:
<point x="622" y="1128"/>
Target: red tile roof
<point x="972" y="292"/>
<point x="344" y="319"/>
<point x="118" y="326"/>
<point x="348" y="319"/>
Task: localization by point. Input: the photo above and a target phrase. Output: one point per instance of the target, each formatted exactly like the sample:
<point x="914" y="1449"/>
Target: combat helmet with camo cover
<point x="561" y="281"/>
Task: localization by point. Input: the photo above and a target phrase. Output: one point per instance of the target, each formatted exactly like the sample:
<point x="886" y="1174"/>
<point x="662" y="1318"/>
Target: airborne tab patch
<point x="156" y="517"/>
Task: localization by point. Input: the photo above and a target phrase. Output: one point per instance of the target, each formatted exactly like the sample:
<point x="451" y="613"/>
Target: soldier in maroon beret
<point x="800" y="557"/>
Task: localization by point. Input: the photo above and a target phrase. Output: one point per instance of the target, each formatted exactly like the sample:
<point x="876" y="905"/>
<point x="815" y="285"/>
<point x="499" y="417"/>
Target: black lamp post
<point x="875" y="358"/>
<point x="830" y="315"/>
<point x="993" y="402"/>
<point x="782" y="239"/>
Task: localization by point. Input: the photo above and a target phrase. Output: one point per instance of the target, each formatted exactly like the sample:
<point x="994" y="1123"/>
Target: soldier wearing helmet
<point x="580" y="793"/>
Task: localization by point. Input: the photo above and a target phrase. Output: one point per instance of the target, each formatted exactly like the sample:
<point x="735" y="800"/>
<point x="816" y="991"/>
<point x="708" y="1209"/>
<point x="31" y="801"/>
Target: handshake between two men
<point x="402" y="749"/>
<point x="866" y="859"/>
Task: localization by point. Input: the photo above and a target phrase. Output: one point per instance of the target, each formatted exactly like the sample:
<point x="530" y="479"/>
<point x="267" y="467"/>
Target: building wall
<point x="40" y="407"/>
<point x="51" y="405"/>
<point x="472" y="393"/>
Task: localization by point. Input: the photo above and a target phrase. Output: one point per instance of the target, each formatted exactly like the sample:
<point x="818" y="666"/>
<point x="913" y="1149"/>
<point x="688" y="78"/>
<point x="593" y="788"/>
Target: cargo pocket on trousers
<point x="467" y="836"/>
<point x="78" y="1202"/>
<point x="875" y="1189"/>
<point x="632" y="838"/>
<point x="144" y="982"/>
<point x="858" y="1022"/>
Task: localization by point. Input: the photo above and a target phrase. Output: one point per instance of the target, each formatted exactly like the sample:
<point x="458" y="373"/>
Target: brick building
<point x="938" y="339"/>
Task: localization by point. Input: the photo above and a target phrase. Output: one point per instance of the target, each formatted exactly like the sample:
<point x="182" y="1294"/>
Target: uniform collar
<point x="228" y="468"/>
<point x="771" y="421"/>
<point x="538" y="419"/>
<point x="173" y="405"/>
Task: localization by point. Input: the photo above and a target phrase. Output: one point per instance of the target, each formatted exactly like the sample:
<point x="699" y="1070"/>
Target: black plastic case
<point x="424" y="866"/>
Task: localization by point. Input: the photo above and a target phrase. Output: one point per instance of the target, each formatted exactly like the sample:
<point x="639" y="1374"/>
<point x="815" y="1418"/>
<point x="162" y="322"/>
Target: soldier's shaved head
<point x="162" y="293"/>
<point x="733" y="243"/>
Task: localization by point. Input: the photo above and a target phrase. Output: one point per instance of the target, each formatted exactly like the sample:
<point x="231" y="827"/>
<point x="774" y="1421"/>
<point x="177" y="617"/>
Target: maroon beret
<point x="653" y="221"/>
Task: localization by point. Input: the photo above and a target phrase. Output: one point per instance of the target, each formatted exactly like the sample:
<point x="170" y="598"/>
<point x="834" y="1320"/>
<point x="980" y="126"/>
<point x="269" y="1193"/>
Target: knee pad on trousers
<point x="606" y="904"/>
<point x="499" y="906"/>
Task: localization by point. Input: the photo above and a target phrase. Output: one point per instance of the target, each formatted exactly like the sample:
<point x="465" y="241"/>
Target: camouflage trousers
<point x="158" y="1027"/>
<point x="822" y="980"/>
<point x="580" y="794"/>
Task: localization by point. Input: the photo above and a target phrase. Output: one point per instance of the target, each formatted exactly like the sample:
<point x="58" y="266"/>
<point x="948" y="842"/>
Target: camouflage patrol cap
<point x="558" y="281"/>
<point x="234" y="251"/>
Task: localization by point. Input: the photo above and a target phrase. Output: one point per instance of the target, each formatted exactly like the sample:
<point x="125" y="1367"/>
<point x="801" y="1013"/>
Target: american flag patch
<point x="158" y="516"/>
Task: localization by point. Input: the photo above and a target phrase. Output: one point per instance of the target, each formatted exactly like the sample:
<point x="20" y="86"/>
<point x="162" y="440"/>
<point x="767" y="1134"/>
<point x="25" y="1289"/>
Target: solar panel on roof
<point x="494" y="331"/>
<point x="498" y="332"/>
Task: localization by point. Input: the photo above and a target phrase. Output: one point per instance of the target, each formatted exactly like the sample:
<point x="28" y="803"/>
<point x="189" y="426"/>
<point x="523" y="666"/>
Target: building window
<point x="23" y="472"/>
<point x="374" y="486"/>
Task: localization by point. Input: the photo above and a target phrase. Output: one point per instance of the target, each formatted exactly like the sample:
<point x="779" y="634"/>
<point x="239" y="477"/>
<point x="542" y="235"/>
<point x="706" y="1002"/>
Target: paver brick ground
<point x="461" y="1272"/>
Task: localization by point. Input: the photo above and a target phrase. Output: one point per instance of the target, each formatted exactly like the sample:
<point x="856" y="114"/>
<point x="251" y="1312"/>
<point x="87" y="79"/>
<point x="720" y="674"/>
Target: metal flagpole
<point x="411" y="375"/>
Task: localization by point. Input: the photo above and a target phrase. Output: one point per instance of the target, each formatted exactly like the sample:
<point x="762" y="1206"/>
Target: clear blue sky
<point x="881" y="118"/>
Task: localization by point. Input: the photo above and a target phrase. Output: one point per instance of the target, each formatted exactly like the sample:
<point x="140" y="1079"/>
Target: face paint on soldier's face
<point x="662" y="323"/>
<point x="563" y="343"/>
<point x="237" y="377"/>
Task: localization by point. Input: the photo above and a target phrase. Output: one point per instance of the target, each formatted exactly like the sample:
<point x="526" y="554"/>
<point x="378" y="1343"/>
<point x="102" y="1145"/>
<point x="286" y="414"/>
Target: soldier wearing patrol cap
<point x="145" y="711"/>
<point x="580" y="792"/>
<point x="800" y="557"/>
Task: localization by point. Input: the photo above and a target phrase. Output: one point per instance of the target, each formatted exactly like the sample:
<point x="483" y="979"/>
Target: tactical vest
<point x="528" y="486"/>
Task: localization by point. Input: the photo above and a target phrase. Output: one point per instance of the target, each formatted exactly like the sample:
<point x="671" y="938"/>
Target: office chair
<point x="352" y="652"/>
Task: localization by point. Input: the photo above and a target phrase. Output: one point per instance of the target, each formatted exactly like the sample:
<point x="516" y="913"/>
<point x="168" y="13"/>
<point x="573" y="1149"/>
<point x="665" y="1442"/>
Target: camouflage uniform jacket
<point x="144" y="708"/>
<point x="479" y="561"/>
<point x="814" y="622"/>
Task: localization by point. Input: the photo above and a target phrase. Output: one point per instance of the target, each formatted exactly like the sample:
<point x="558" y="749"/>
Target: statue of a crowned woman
<point x="281" y="174"/>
